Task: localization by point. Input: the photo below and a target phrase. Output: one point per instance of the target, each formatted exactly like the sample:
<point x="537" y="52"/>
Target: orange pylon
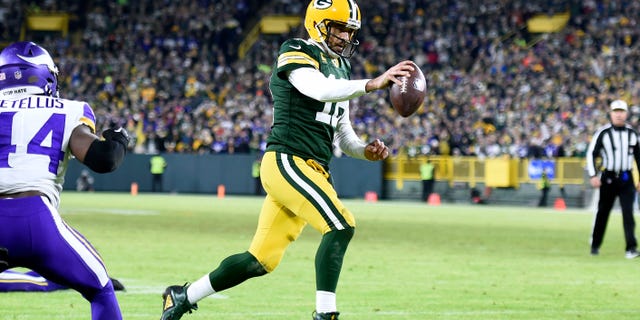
<point x="370" y="196"/>
<point x="434" y="199"/>
<point x="134" y="188"/>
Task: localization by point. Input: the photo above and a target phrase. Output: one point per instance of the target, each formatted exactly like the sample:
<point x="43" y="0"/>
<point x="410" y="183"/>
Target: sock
<point x="234" y="270"/>
<point x="329" y="258"/>
<point x="199" y="290"/>
<point x="325" y="302"/>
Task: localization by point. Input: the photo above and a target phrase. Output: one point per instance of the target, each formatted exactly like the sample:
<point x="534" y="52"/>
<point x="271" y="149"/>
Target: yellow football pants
<point x="298" y="192"/>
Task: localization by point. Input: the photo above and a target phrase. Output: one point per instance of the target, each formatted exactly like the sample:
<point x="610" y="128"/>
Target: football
<point x="408" y="97"/>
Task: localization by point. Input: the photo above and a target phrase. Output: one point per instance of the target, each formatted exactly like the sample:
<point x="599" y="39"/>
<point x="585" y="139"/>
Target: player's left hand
<point x="376" y="151"/>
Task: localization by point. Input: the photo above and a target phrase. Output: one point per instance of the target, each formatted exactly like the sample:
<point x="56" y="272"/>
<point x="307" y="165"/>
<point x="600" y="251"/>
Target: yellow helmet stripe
<point x="296" y="57"/>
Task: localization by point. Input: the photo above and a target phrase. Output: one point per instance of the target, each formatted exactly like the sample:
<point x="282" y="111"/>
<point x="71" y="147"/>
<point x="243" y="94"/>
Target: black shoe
<point x="326" y="316"/>
<point x="117" y="285"/>
<point x="175" y="303"/>
<point x="595" y="251"/>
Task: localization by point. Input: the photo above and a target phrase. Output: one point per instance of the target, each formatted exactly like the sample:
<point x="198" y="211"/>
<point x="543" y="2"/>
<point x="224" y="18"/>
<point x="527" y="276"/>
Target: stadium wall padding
<point x="352" y="178"/>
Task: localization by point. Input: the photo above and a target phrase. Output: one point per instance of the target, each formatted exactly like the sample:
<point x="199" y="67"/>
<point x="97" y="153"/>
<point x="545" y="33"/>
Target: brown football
<point x="408" y="97"/>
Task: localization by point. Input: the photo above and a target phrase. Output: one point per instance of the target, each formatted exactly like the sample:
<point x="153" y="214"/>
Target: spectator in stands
<point x="479" y="62"/>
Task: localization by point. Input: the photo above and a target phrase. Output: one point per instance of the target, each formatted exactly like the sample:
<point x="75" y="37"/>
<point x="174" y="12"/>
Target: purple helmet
<point x="27" y="68"/>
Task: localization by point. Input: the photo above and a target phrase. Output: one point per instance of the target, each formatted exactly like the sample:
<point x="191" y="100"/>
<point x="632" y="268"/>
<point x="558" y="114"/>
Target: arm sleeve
<point x="104" y="156"/>
<point x="348" y="141"/>
<point x="314" y="84"/>
<point x="636" y="150"/>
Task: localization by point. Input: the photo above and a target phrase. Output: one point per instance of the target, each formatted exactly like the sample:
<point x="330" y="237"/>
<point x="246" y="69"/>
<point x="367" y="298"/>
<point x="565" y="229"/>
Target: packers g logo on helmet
<point x="322" y="4"/>
<point x="322" y="13"/>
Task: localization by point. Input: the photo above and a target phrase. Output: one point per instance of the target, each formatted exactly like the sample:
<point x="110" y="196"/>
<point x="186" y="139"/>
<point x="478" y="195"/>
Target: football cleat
<point x="117" y="285"/>
<point x="326" y="316"/>
<point x="175" y="303"/>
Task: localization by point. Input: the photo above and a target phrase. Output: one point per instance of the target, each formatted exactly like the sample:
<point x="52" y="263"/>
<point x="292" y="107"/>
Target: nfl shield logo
<point x="17" y="74"/>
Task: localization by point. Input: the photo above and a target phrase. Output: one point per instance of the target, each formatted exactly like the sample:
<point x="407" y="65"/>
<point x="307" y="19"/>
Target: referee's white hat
<point x="619" y="105"/>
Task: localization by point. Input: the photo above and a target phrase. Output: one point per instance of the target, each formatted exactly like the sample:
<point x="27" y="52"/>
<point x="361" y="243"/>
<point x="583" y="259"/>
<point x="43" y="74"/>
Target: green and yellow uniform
<point x="303" y="126"/>
<point x="295" y="166"/>
<point x="311" y="89"/>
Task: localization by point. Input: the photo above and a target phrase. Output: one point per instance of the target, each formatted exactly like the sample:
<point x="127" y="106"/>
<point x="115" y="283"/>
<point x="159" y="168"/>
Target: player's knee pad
<point x="334" y="244"/>
<point x="340" y="236"/>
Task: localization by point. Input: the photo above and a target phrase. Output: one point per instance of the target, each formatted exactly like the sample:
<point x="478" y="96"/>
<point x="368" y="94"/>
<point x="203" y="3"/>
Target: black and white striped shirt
<point x="617" y="146"/>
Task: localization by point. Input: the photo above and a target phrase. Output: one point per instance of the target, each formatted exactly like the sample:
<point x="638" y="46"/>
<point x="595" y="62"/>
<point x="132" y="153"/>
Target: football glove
<point x="119" y="135"/>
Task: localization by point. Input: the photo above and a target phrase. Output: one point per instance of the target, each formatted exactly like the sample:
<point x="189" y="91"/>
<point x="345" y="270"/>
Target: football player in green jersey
<point x="311" y="88"/>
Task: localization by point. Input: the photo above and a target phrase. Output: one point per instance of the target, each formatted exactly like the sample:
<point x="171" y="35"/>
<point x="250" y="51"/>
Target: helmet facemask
<point x="324" y="17"/>
<point x="335" y="44"/>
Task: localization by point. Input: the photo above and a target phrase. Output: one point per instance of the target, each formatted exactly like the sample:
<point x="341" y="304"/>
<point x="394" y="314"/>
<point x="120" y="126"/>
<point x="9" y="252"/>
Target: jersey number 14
<point x="54" y="127"/>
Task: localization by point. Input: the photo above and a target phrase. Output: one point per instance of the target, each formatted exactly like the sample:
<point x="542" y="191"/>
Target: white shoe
<point x="632" y="254"/>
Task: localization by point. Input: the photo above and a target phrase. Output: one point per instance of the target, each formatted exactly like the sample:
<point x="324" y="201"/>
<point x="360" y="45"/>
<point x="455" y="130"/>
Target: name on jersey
<point x="32" y="103"/>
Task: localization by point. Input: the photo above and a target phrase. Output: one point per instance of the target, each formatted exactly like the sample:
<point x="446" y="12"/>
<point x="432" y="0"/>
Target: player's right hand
<point x="389" y="77"/>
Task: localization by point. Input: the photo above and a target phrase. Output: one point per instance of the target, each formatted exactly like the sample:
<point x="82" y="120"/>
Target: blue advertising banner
<point x="537" y="167"/>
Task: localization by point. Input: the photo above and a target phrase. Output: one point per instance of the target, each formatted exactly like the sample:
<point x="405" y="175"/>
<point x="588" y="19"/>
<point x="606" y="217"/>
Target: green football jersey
<point x="303" y="126"/>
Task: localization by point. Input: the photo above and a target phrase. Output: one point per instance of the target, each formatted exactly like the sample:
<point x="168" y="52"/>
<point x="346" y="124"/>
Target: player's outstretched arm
<point x="390" y="76"/>
<point x="101" y="156"/>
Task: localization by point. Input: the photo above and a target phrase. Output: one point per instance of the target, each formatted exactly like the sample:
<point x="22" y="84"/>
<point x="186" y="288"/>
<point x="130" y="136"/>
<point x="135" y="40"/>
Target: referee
<point x="617" y="145"/>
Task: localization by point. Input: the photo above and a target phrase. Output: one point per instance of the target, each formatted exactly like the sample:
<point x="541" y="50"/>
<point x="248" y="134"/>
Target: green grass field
<point x="407" y="261"/>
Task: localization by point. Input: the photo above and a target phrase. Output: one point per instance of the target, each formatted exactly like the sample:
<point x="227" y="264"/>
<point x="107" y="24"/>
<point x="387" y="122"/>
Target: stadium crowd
<point x="170" y="74"/>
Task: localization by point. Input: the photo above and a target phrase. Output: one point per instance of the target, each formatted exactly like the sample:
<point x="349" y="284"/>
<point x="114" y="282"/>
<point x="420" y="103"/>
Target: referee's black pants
<point x="615" y="185"/>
